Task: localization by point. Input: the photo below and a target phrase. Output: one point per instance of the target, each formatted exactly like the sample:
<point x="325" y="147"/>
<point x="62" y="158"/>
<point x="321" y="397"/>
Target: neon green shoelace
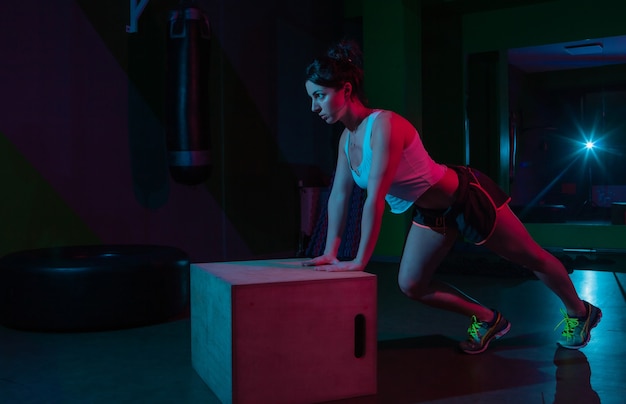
<point x="474" y="328"/>
<point x="570" y="325"/>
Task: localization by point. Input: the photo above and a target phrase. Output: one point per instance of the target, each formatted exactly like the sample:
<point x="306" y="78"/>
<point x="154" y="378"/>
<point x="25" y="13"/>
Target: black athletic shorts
<point x="473" y="213"/>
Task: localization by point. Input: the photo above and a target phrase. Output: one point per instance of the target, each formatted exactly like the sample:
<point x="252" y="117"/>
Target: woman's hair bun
<point x="347" y="51"/>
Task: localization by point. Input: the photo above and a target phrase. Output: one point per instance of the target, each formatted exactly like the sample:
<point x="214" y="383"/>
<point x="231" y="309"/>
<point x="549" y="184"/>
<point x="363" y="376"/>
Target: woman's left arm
<point x="387" y="141"/>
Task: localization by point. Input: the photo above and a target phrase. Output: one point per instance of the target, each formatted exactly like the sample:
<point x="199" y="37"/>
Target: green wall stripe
<point x="32" y="214"/>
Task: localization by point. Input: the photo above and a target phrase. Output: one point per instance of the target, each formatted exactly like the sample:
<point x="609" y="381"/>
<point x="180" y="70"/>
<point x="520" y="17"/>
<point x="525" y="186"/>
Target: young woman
<point x="382" y="152"/>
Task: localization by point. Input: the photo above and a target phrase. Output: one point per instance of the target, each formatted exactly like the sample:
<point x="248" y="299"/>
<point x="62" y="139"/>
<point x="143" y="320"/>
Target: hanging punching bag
<point x="187" y="96"/>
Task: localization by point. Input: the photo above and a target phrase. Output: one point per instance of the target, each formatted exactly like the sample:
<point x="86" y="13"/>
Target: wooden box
<point x="275" y="332"/>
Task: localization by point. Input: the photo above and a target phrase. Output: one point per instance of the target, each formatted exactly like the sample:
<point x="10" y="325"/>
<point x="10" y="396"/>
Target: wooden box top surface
<point x="272" y="271"/>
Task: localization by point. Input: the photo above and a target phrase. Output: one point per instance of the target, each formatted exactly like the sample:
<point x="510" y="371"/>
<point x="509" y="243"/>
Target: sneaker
<point x="577" y="331"/>
<point x="481" y="333"/>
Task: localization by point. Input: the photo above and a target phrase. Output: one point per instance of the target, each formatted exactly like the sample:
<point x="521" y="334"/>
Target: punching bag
<point x="187" y="96"/>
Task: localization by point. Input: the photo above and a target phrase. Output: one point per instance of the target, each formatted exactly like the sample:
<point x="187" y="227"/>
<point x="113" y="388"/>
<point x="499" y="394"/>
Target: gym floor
<point x="418" y="361"/>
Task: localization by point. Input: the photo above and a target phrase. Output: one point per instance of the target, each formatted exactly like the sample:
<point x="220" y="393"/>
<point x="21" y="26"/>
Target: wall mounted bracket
<point x="136" y="8"/>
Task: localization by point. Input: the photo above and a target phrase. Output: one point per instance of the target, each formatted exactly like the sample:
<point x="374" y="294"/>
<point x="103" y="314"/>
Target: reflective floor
<point x="417" y="357"/>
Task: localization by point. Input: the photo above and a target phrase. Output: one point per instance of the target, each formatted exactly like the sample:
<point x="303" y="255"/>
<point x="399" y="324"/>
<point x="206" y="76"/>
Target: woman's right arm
<point x="338" y="203"/>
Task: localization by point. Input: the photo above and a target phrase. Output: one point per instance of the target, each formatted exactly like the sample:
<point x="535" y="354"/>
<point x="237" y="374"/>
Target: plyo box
<point x="275" y="332"/>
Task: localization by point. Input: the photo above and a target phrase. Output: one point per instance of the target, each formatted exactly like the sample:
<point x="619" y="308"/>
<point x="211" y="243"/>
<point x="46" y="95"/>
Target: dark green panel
<point x="33" y="215"/>
<point x="391" y="40"/>
<point x="443" y="91"/>
<point x="543" y="23"/>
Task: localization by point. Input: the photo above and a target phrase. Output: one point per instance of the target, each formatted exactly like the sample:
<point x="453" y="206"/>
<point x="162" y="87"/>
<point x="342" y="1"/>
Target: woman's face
<point x="328" y="103"/>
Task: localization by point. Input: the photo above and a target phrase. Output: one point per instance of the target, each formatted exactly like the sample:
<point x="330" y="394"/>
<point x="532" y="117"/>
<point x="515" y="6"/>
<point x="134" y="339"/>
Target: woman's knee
<point x="411" y="288"/>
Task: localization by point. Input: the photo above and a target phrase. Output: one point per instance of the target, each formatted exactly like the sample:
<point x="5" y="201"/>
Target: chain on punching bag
<point x="187" y="96"/>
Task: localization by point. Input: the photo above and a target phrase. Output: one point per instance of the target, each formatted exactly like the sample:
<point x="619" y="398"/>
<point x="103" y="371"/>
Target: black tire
<point x="92" y="288"/>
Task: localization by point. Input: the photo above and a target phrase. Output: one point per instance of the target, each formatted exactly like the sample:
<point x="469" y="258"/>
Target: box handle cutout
<point x="359" y="336"/>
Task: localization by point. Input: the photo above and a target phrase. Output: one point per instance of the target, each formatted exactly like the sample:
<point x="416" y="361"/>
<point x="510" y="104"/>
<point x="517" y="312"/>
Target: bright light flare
<point x="589" y="145"/>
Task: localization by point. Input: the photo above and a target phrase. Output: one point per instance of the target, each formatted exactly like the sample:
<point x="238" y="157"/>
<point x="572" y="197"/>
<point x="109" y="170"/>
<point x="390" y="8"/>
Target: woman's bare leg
<point x="424" y="251"/>
<point x="512" y="241"/>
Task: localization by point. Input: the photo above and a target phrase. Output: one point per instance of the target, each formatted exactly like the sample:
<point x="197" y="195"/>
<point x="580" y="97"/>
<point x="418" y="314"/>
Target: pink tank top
<point x="416" y="172"/>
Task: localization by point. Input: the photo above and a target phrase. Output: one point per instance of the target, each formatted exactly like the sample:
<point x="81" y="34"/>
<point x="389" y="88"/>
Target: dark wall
<point x="82" y="151"/>
<point x="442" y="86"/>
